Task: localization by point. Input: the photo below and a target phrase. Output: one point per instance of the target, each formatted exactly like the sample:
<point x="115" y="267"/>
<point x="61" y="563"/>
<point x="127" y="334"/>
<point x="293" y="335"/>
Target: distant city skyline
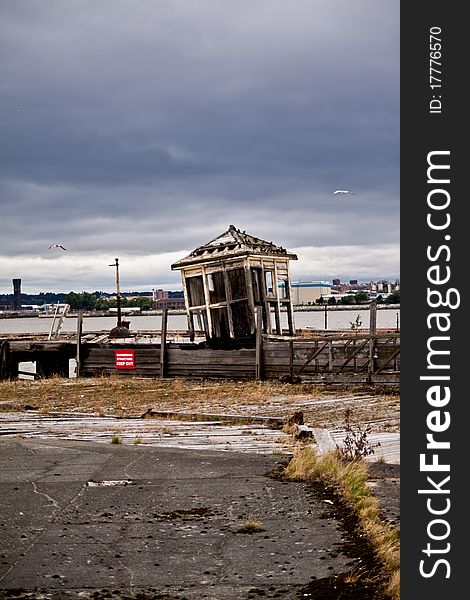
<point x="345" y="282"/>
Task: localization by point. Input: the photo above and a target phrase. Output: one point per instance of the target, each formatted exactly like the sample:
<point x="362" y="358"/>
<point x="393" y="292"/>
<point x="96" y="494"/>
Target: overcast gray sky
<point x="141" y="129"/>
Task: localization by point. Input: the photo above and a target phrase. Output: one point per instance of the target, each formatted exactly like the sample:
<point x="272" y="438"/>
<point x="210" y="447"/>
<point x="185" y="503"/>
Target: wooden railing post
<point x="372" y="331"/>
<point x="79" y="341"/>
<point x="8" y="370"/>
<point x="163" y="342"/>
<point x="259" y="343"/>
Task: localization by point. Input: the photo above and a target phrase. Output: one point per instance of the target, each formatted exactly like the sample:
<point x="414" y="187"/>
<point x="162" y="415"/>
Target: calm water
<point x="336" y="319"/>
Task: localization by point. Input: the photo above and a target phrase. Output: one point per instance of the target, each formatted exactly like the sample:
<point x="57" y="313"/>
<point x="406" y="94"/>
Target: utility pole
<point x="118" y="291"/>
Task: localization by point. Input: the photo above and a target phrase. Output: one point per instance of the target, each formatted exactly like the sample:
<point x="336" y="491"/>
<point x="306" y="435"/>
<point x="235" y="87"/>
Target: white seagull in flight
<point x="57" y="246"/>
<point x="343" y="192"/>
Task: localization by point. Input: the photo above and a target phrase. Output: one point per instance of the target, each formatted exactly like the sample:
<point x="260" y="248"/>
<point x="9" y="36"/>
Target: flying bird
<point x="343" y="192"/>
<point x="57" y="246"/>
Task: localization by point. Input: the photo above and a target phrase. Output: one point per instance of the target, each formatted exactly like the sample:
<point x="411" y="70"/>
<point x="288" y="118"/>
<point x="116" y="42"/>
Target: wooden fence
<point x="351" y="358"/>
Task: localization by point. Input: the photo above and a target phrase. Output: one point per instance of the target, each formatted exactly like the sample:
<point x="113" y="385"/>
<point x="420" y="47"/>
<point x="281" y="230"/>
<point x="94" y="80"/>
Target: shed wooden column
<point x="207" y="299"/>
<point x="189" y="314"/>
<point x="277" y="307"/>
<point x="290" y="306"/>
<point x="250" y="295"/>
<point x="267" y="307"/>
<point x="228" y="298"/>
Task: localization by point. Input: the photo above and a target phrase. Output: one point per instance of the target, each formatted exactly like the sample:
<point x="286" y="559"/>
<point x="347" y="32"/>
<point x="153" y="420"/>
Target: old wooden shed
<point x="225" y="280"/>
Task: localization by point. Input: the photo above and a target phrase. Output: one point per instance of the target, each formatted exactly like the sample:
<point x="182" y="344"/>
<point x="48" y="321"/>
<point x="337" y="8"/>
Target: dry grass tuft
<point x="393" y="588"/>
<point x="350" y="480"/>
<point x="251" y="526"/>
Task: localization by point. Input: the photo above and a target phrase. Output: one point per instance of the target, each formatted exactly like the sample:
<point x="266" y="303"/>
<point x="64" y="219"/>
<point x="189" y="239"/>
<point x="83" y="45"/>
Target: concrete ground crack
<point x="54" y="503"/>
<point x="129" y="465"/>
<point x="131" y="581"/>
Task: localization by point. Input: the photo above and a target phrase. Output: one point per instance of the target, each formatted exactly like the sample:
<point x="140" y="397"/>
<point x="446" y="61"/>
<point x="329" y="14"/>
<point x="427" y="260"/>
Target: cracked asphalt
<point x="89" y="520"/>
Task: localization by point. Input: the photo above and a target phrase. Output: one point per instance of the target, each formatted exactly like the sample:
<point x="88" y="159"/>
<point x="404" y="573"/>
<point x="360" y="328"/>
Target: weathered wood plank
<point x="348" y="355"/>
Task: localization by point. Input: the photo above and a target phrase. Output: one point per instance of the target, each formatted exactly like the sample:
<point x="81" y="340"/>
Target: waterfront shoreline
<point x="154" y="313"/>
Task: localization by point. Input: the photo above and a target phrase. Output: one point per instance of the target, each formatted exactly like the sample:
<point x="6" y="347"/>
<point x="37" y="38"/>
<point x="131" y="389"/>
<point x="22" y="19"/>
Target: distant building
<point x="159" y="295"/>
<point x="166" y="299"/>
<point x="11" y="302"/>
<point x="336" y="282"/>
<point x="380" y="287"/>
<point x="308" y="292"/>
<point x="387" y="287"/>
<point x="17" y="294"/>
<point x="176" y="303"/>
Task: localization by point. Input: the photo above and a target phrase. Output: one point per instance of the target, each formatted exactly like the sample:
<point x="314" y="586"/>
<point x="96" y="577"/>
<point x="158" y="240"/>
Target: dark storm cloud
<point x="151" y="125"/>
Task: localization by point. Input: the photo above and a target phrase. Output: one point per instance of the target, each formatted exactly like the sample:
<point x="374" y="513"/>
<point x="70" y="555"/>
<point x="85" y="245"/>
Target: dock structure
<point x="237" y="291"/>
<point x="227" y="279"/>
<point x="324" y="358"/>
<point x="51" y="357"/>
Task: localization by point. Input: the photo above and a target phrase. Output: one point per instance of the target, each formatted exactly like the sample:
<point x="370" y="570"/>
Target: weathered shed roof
<point x="232" y="242"/>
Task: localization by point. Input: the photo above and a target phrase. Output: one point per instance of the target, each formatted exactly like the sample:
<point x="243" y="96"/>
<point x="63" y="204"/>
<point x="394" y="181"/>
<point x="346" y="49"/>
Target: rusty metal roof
<point x="233" y="242"/>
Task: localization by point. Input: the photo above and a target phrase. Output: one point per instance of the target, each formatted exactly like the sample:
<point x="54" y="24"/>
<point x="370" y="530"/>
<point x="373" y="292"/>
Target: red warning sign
<point x="125" y="359"/>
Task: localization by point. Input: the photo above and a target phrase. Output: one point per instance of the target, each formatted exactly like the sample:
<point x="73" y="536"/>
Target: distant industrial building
<point x="166" y="299"/>
<point x="15" y="303"/>
<point x="308" y="292"/>
<point x="17" y="294"/>
<point x="384" y="287"/>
